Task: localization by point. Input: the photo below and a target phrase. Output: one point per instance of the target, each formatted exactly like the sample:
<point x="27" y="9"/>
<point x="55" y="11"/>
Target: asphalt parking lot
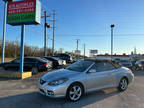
<point x="23" y="94"/>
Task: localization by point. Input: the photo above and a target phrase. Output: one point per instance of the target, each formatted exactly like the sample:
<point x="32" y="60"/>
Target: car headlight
<point x="57" y="82"/>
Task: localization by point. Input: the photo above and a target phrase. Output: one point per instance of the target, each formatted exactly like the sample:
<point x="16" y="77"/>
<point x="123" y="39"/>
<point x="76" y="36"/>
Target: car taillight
<point x="46" y="64"/>
<point x="129" y="70"/>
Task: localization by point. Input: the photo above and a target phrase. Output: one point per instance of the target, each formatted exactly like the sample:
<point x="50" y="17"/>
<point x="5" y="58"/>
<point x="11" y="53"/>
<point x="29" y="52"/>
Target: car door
<point x="102" y="78"/>
<point x="29" y="63"/>
<point x="13" y="65"/>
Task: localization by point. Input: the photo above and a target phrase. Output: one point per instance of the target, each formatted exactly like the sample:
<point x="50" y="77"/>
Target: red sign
<point x="22" y="7"/>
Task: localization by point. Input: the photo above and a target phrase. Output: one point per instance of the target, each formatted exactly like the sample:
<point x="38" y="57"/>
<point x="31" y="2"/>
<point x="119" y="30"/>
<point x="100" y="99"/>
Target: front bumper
<point x="53" y="91"/>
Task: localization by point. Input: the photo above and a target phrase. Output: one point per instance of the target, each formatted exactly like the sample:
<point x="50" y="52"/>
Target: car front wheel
<point x="123" y="84"/>
<point x="74" y="92"/>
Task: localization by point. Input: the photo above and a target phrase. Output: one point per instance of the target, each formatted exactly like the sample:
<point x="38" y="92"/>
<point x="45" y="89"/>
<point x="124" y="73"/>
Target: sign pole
<point x="4" y="31"/>
<point x="22" y="48"/>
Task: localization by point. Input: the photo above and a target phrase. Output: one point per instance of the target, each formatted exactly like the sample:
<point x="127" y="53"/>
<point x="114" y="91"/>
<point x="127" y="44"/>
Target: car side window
<point x="98" y="67"/>
<point x="29" y="60"/>
<point x="109" y="66"/>
<point x="103" y="66"/>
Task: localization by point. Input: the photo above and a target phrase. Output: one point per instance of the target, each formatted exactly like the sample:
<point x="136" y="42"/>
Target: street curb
<point x="15" y="75"/>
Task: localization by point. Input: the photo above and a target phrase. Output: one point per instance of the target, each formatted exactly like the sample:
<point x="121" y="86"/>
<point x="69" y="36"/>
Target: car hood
<point x="57" y="74"/>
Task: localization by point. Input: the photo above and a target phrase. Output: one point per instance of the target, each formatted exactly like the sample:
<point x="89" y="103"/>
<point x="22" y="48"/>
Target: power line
<point x="59" y="42"/>
<point x="120" y="35"/>
<point x="45" y="7"/>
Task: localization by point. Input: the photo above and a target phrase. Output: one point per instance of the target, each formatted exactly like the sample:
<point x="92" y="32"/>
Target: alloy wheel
<point x="123" y="84"/>
<point x="75" y="93"/>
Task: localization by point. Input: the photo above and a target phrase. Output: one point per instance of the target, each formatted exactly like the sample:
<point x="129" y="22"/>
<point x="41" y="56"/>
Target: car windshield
<point x="80" y="66"/>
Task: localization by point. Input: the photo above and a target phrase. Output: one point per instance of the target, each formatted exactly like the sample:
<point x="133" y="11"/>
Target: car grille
<point x="42" y="81"/>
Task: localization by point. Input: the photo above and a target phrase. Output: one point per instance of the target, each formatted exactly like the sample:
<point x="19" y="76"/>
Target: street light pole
<point x="112" y="26"/>
<point x="4" y="31"/>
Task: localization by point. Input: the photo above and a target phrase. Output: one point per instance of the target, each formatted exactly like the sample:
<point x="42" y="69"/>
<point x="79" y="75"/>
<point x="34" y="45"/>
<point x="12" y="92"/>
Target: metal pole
<point x="22" y="48"/>
<point x="111" y="43"/>
<point x="77" y="45"/>
<point x="77" y="48"/>
<point x="45" y="37"/>
<point x="4" y="31"/>
<point x="112" y="26"/>
<point x="53" y="32"/>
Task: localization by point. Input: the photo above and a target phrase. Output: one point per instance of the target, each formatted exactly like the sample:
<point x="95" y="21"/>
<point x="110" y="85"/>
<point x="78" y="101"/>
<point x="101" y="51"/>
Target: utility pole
<point x="77" y="42"/>
<point x="45" y="32"/>
<point x="84" y="51"/>
<point x="112" y="26"/>
<point x="53" y="39"/>
<point x="46" y="25"/>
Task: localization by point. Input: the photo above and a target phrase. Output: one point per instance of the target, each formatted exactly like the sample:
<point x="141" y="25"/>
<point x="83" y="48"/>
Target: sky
<point x="89" y="21"/>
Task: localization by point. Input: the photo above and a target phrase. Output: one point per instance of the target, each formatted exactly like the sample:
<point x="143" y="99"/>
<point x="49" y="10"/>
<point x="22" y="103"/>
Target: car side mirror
<point x="92" y="71"/>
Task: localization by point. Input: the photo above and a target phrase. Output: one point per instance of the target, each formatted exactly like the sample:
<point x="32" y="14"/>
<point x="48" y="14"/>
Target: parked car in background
<point x="139" y="65"/>
<point x="77" y="59"/>
<point x="34" y="64"/>
<point x="66" y="57"/>
<point x="117" y="60"/>
<point x="55" y="62"/>
<point x="82" y="77"/>
<point x="126" y="63"/>
<point x="60" y="61"/>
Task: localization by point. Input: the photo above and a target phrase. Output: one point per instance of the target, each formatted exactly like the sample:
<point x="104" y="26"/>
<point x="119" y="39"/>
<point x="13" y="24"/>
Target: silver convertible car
<point x="83" y="77"/>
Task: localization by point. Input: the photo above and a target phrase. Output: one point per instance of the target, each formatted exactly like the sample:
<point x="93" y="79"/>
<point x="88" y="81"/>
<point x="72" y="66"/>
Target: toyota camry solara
<point x="82" y="77"/>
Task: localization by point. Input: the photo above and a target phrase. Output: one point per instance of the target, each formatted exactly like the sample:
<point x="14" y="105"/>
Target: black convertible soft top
<point x="109" y="61"/>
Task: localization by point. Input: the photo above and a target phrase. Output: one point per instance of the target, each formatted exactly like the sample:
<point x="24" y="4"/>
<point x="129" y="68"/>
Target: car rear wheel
<point x="34" y="70"/>
<point x="123" y="84"/>
<point x="74" y="92"/>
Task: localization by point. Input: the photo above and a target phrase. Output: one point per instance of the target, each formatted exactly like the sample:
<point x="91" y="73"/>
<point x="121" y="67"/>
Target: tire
<point x="34" y="70"/>
<point x="123" y="84"/>
<point x="74" y="92"/>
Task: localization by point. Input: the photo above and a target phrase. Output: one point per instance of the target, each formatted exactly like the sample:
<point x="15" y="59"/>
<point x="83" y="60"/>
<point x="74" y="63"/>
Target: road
<point x="23" y="94"/>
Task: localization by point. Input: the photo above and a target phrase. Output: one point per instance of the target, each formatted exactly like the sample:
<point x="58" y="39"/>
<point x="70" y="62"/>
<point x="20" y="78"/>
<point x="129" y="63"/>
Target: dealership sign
<point x="93" y="51"/>
<point x="24" y="12"/>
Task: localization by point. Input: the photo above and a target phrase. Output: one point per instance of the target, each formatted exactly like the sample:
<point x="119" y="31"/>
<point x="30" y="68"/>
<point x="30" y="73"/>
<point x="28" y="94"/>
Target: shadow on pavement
<point x="139" y="73"/>
<point x="35" y="100"/>
<point x="8" y="79"/>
